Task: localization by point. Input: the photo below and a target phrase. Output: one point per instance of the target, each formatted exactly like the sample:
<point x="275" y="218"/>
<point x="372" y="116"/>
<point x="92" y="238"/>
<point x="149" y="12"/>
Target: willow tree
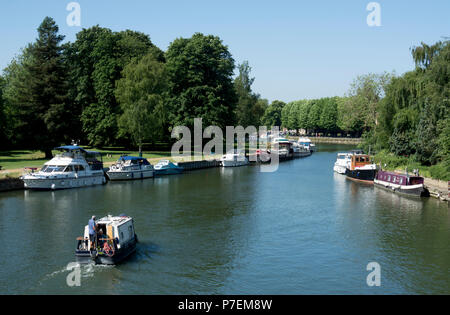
<point x="140" y="94"/>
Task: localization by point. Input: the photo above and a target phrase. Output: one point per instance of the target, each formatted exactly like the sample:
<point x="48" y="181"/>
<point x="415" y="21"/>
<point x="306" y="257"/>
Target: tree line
<point x="111" y="88"/>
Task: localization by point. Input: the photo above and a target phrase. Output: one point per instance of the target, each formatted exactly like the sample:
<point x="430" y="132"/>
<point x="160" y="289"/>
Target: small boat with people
<point x="107" y="241"/>
<point x="361" y="168"/>
<point x="166" y="167"/>
<point x="73" y="167"/>
<point x="130" y="167"/>
<point x="405" y="184"/>
<point x="234" y="158"/>
<point x="307" y="143"/>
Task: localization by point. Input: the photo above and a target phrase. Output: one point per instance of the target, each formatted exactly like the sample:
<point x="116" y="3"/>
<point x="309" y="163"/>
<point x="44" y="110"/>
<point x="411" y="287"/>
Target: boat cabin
<point x="360" y="160"/>
<point x="399" y="179"/>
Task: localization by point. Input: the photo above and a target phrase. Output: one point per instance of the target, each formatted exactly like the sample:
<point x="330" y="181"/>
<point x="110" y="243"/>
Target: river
<point x="300" y="230"/>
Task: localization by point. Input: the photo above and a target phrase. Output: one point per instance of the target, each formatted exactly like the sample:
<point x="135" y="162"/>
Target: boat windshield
<point x="52" y="168"/>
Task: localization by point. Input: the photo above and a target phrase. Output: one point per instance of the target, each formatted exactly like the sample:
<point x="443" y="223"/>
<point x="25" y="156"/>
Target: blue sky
<point x="297" y="49"/>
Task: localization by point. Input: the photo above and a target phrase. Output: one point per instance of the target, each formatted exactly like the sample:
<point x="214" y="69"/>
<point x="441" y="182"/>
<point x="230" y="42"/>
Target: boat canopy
<point x="70" y="148"/>
<point x="134" y="158"/>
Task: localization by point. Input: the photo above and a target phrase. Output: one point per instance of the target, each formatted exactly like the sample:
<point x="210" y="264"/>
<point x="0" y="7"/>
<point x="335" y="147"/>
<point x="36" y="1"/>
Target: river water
<point x="300" y="230"/>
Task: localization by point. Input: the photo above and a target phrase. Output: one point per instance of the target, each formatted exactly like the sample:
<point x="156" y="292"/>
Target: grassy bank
<point x="13" y="162"/>
<point x="392" y="162"/>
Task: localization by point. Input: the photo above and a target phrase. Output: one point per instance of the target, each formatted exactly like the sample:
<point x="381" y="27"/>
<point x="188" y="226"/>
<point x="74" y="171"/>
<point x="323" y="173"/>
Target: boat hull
<point x="361" y="175"/>
<point x="169" y="171"/>
<point x="340" y="169"/>
<point x="86" y="257"/>
<point x="226" y="163"/>
<point x="302" y="154"/>
<point x="63" y="183"/>
<point x="129" y="175"/>
<point x="412" y="190"/>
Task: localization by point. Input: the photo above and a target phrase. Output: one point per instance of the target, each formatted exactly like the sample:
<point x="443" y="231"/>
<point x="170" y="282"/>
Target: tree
<point x="328" y="117"/>
<point x="272" y="115"/>
<point x="97" y="59"/>
<point x="37" y="92"/>
<point x="248" y="112"/>
<point x="141" y="96"/>
<point x="314" y="114"/>
<point x="3" y="138"/>
<point x="200" y="72"/>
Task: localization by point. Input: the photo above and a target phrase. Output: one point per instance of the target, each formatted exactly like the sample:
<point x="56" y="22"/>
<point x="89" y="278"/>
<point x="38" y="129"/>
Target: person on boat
<point x="92" y="230"/>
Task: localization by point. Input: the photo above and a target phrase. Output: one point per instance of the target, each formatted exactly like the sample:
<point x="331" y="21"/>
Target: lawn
<point x="13" y="162"/>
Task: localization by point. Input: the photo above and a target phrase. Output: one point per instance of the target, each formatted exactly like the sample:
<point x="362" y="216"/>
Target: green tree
<point x="141" y="96"/>
<point x="328" y="117"/>
<point x="97" y="58"/>
<point x="248" y="112"/>
<point x="200" y="72"/>
<point x="272" y="115"/>
<point x="37" y="92"/>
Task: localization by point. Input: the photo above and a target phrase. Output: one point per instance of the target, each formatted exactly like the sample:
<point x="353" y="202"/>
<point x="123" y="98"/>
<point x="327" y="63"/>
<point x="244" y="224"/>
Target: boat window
<point x="79" y="168"/>
<point x="53" y="168"/>
<point x="69" y="168"/>
<point x="44" y="168"/>
<point x="389" y="178"/>
<point x="401" y="181"/>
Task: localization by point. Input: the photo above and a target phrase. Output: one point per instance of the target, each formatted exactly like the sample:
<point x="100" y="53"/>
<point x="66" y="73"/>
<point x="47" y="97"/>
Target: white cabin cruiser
<point x="130" y="167"/>
<point x="74" y="167"/>
<point x="283" y="148"/>
<point x="115" y="239"/>
<point x="234" y="158"/>
<point x="299" y="150"/>
<point x="307" y="143"/>
<point x="343" y="162"/>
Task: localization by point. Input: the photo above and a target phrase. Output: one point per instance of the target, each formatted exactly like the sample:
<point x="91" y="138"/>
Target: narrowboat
<point x="115" y="241"/>
<point x="234" y="158"/>
<point x="165" y="167"/>
<point x="72" y="168"/>
<point x="130" y="167"/>
<point x="361" y="168"/>
<point x="401" y="183"/>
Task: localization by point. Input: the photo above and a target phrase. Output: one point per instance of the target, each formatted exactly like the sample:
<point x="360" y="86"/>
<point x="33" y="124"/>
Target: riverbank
<point x="331" y="140"/>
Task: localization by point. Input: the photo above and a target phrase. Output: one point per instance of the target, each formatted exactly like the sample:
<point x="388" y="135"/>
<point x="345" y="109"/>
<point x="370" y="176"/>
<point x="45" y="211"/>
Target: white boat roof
<point x="114" y="220"/>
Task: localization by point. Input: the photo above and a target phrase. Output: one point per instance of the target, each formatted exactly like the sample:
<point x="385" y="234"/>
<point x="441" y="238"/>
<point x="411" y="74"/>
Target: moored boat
<point x="401" y="183"/>
<point x="165" y="167"/>
<point x="115" y="240"/>
<point x="130" y="167"/>
<point x="283" y="148"/>
<point x="342" y="162"/>
<point x="299" y="150"/>
<point x="234" y="158"/>
<point x="361" y="168"/>
<point x="74" y="167"/>
<point x="307" y="143"/>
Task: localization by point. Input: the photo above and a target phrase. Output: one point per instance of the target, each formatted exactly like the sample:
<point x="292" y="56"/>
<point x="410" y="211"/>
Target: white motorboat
<point x="307" y="143"/>
<point x="343" y="162"/>
<point x="300" y="151"/>
<point x="234" y="158"/>
<point x="130" y="167"/>
<point x="74" y="167"/>
<point x="283" y="147"/>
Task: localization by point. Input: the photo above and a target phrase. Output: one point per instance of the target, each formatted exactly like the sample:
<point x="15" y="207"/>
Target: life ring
<point x="108" y="250"/>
